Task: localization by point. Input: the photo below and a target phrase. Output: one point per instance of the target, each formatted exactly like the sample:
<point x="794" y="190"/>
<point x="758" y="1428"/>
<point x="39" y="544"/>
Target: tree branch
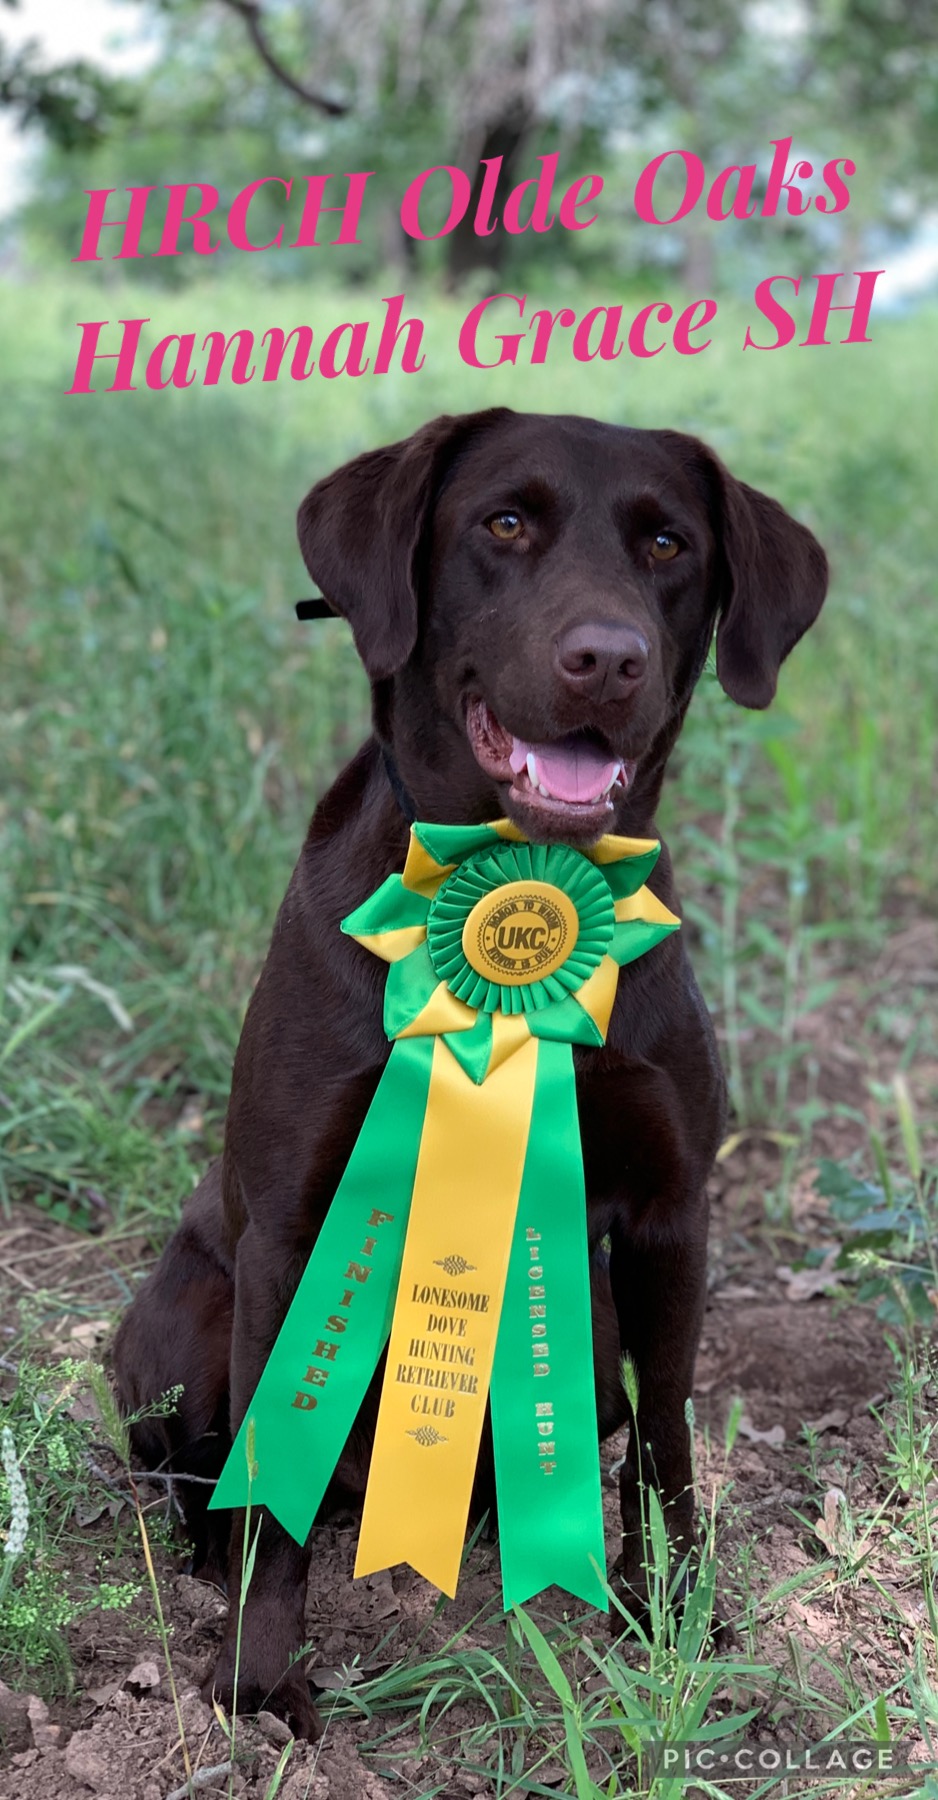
<point x="250" y="12"/>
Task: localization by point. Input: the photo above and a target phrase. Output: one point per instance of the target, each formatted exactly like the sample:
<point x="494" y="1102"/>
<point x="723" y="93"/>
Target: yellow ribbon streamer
<point x="446" y="1318"/>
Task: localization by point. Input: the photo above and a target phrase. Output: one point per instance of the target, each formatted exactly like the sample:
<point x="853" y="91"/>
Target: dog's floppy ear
<point x="360" y="530"/>
<point x="774" y="583"/>
<point x="771" y="575"/>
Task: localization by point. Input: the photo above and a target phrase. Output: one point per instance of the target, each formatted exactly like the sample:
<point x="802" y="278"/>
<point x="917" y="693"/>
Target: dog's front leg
<point x="269" y="1617"/>
<point x="659" y="1290"/>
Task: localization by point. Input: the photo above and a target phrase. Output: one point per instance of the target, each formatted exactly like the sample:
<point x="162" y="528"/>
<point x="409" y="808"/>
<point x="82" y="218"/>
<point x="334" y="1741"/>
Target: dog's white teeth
<point x="538" y="786"/>
<point x="612" y="782"/>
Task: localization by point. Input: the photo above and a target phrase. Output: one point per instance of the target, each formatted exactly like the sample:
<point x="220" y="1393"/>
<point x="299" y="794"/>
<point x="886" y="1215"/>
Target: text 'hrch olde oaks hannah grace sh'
<point x="330" y="210"/>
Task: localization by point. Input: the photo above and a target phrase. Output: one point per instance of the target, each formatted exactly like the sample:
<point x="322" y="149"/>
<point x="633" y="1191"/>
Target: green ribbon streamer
<point x="550" y="1516"/>
<point x="297" y="1447"/>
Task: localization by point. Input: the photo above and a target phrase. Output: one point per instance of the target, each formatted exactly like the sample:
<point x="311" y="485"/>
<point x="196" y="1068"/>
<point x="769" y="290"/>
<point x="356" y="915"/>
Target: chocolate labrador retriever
<point x="533" y="599"/>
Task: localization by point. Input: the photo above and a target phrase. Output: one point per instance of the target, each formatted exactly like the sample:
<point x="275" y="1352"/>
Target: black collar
<point x="398" y="789"/>
<point x="320" y="609"/>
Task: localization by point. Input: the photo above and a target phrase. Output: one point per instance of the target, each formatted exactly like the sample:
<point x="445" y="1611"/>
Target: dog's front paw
<point x="628" y="1581"/>
<point x="629" y="1587"/>
<point x="259" y="1690"/>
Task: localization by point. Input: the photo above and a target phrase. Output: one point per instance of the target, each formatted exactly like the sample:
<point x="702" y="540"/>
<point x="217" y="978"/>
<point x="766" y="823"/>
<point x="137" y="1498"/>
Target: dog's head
<point x="533" y="598"/>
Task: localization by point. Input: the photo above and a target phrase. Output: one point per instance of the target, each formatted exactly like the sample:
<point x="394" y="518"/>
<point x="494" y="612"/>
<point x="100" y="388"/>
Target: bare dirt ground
<point x="795" y="1355"/>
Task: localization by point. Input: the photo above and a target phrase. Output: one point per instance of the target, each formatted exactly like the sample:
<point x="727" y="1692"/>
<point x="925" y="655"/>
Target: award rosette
<point x="458" y="1229"/>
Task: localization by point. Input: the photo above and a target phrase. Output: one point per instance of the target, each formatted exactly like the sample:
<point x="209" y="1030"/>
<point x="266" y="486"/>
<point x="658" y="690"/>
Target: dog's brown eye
<point x="664" y="546"/>
<point x="506" y="526"/>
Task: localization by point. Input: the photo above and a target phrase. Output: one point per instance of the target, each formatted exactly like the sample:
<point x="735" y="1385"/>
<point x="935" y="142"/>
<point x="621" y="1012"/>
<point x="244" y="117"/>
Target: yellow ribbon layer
<point x="448" y="1307"/>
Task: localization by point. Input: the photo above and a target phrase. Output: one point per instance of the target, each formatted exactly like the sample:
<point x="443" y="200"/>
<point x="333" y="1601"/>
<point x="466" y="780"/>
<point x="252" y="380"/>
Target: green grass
<point x="165" y="727"/>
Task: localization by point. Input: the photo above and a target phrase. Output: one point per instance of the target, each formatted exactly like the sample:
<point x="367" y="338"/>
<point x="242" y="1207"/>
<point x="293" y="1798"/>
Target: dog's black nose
<point x="602" y="662"/>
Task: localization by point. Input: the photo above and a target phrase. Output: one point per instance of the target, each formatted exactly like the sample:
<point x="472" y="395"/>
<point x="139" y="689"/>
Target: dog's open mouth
<point x="572" y="779"/>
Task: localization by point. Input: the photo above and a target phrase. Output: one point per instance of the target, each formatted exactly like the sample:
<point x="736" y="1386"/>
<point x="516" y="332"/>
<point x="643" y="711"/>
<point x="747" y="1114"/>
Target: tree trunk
<point x="467" y="252"/>
<point x="697" y="261"/>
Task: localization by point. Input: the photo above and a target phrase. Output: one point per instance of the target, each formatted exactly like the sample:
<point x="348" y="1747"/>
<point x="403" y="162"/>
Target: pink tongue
<point x="573" y="770"/>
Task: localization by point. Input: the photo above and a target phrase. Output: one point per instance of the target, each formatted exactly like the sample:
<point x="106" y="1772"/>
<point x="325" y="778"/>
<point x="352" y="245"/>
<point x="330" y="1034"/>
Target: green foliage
<point x="397" y="90"/>
<point x="889" y="1225"/>
<point x="892" y="1228"/>
<point x="165" y="724"/>
<point x="909" y="1423"/>
<point x="758" y="962"/>
<point x="74" y="103"/>
<point x="560" y="1707"/>
<point x="46" y="1480"/>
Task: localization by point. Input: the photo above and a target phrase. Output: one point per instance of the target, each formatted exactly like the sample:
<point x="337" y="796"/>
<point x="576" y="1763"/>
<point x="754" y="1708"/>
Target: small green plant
<point x="562" y="1704"/>
<point x="560" y="1708"/>
<point x="18" y="1529"/>
<point x="248" y="1555"/>
<point x="671" y="1695"/>
<point x="46" y="1476"/>
<point x="909" y="1421"/>
<point x="162" y="1630"/>
<point x="891" y="1225"/>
